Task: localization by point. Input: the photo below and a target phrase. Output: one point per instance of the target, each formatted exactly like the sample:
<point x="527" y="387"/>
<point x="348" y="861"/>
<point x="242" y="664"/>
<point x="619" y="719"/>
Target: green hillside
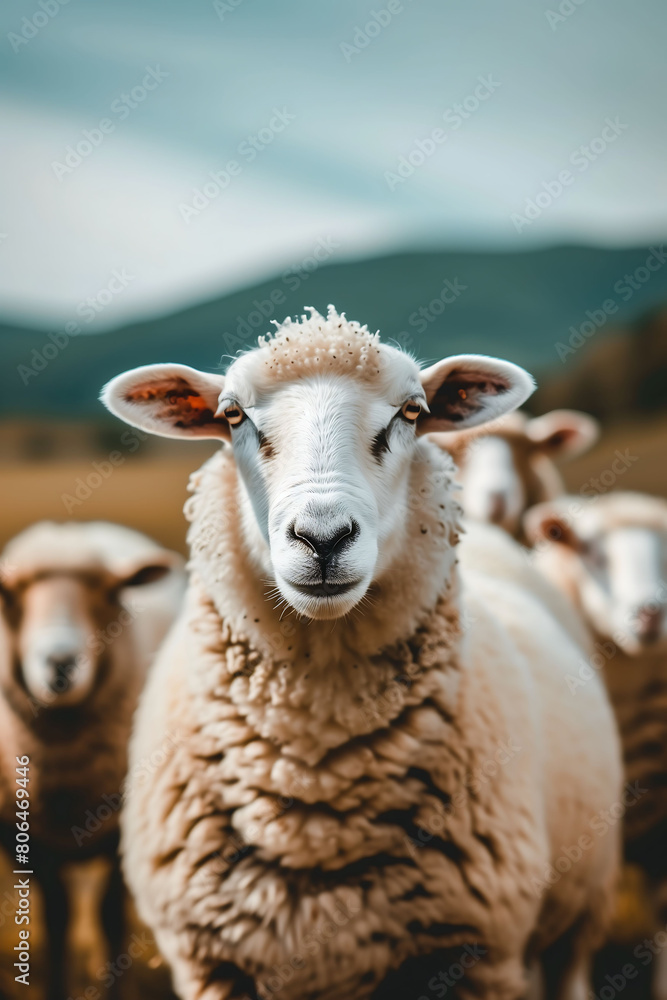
<point x="518" y="305"/>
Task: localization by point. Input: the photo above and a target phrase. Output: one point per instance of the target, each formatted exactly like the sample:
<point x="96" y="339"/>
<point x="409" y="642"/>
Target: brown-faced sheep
<point x="379" y="768"/>
<point x="509" y="465"/>
<point x="609" y="555"/>
<point x="75" y="644"/>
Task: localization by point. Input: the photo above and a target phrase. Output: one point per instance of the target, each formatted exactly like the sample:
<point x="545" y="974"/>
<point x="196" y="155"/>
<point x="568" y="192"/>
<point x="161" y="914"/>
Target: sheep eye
<point x="411" y="410"/>
<point x="233" y="415"/>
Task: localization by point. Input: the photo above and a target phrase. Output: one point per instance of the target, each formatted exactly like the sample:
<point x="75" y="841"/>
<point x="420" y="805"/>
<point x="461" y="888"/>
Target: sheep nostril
<point x="62" y="667"/>
<point x="324" y="545"/>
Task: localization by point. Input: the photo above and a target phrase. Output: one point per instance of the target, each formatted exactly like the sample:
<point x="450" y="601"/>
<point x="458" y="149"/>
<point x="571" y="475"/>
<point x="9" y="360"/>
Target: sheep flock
<point x="406" y="711"/>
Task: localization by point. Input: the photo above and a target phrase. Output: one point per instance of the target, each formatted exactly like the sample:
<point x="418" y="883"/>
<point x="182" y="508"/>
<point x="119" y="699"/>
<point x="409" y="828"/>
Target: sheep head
<point x="62" y="610"/>
<point x="324" y="422"/>
<point x="615" y="551"/>
<point x="509" y="466"/>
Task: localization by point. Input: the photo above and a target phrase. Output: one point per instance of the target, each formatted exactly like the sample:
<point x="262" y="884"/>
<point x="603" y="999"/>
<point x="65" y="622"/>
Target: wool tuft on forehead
<point x="318" y="345"/>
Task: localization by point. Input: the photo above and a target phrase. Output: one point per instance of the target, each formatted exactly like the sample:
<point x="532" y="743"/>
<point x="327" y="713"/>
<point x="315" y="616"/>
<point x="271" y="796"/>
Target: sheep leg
<point x="224" y="981"/>
<point x="492" y="977"/>
<point x="113" y="918"/>
<point x="659" y="985"/>
<point x="567" y="965"/>
<point x="659" y="978"/>
<point x="535" y="980"/>
<point x="56" y="916"/>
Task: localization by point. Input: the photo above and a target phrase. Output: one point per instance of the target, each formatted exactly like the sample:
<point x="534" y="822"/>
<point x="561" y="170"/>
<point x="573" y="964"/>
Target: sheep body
<point x="637" y="681"/>
<point x="570" y="536"/>
<point x="322" y="807"/>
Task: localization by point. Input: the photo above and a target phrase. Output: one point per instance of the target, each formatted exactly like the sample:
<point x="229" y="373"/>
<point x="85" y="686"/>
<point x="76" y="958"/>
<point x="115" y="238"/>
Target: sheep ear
<point x="563" y="433"/>
<point x="147" y="574"/>
<point x="148" y="570"/>
<point x="547" y="523"/>
<point x="471" y="389"/>
<point x="169" y="400"/>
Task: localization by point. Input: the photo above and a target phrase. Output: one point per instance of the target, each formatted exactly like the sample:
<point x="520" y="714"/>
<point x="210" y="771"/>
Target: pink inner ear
<point x="178" y="402"/>
<point x="559" y="438"/>
<point x="462" y="392"/>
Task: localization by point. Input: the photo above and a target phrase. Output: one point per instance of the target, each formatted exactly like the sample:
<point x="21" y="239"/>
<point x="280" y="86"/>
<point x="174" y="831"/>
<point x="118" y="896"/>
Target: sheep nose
<point x="62" y="667"/>
<point x="648" y="620"/>
<point x="324" y="544"/>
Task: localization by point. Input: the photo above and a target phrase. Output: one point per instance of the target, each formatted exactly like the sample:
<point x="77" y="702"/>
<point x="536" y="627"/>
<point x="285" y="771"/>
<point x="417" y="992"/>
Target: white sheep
<point x="509" y="464"/>
<point x="378" y="765"/>
<point x="609" y="555"/>
<point x="76" y="639"/>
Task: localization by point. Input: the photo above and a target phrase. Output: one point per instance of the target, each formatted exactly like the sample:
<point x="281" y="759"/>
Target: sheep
<point x="608" y="553"/>
<point x="510" y="464"/>
<point x="376" y="767"/>
<point x="75" y="644"/>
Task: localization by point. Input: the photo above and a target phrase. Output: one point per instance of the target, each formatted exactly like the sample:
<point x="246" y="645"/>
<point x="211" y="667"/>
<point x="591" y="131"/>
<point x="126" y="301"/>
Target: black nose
<point x="62" y="666"/>
<point x="324" y="545"/>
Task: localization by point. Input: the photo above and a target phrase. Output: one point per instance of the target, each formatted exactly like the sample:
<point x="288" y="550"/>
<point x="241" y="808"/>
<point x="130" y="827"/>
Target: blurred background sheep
<point x="75" y="646"/>
<point x="476" y="178"/>
<point x="510" y="465"/>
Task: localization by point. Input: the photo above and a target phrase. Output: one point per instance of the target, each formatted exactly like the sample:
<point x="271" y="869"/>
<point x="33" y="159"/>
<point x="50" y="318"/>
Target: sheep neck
<point x="346" y="677"/>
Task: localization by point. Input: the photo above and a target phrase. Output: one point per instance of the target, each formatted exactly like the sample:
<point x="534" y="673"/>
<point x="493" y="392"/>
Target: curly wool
<point x="330" y="778"/>
<point x="316" y="345"/>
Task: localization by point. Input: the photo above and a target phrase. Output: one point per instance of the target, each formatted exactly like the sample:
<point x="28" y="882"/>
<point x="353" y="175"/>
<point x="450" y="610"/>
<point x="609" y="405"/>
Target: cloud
<point x="324" y="176"/>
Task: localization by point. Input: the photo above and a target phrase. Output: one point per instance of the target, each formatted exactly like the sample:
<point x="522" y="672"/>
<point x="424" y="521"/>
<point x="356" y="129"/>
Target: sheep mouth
<point x="323" y="589"/>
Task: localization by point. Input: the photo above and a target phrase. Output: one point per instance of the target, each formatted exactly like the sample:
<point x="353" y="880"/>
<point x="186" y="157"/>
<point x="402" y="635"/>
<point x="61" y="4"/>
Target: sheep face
<point x="61" y="626"/>
<point x="493" y="488"/>
<point x="324" y="422"/>
<point x="56" y="621"/>
<point x="508" y="466"/>
<point x="617" y="549"/>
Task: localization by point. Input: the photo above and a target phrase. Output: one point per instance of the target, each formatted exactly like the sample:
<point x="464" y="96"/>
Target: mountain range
<point x="550" y="310"/>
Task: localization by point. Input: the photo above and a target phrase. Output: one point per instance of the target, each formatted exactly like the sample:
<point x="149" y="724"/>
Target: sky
<point x="366" y="128"/>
